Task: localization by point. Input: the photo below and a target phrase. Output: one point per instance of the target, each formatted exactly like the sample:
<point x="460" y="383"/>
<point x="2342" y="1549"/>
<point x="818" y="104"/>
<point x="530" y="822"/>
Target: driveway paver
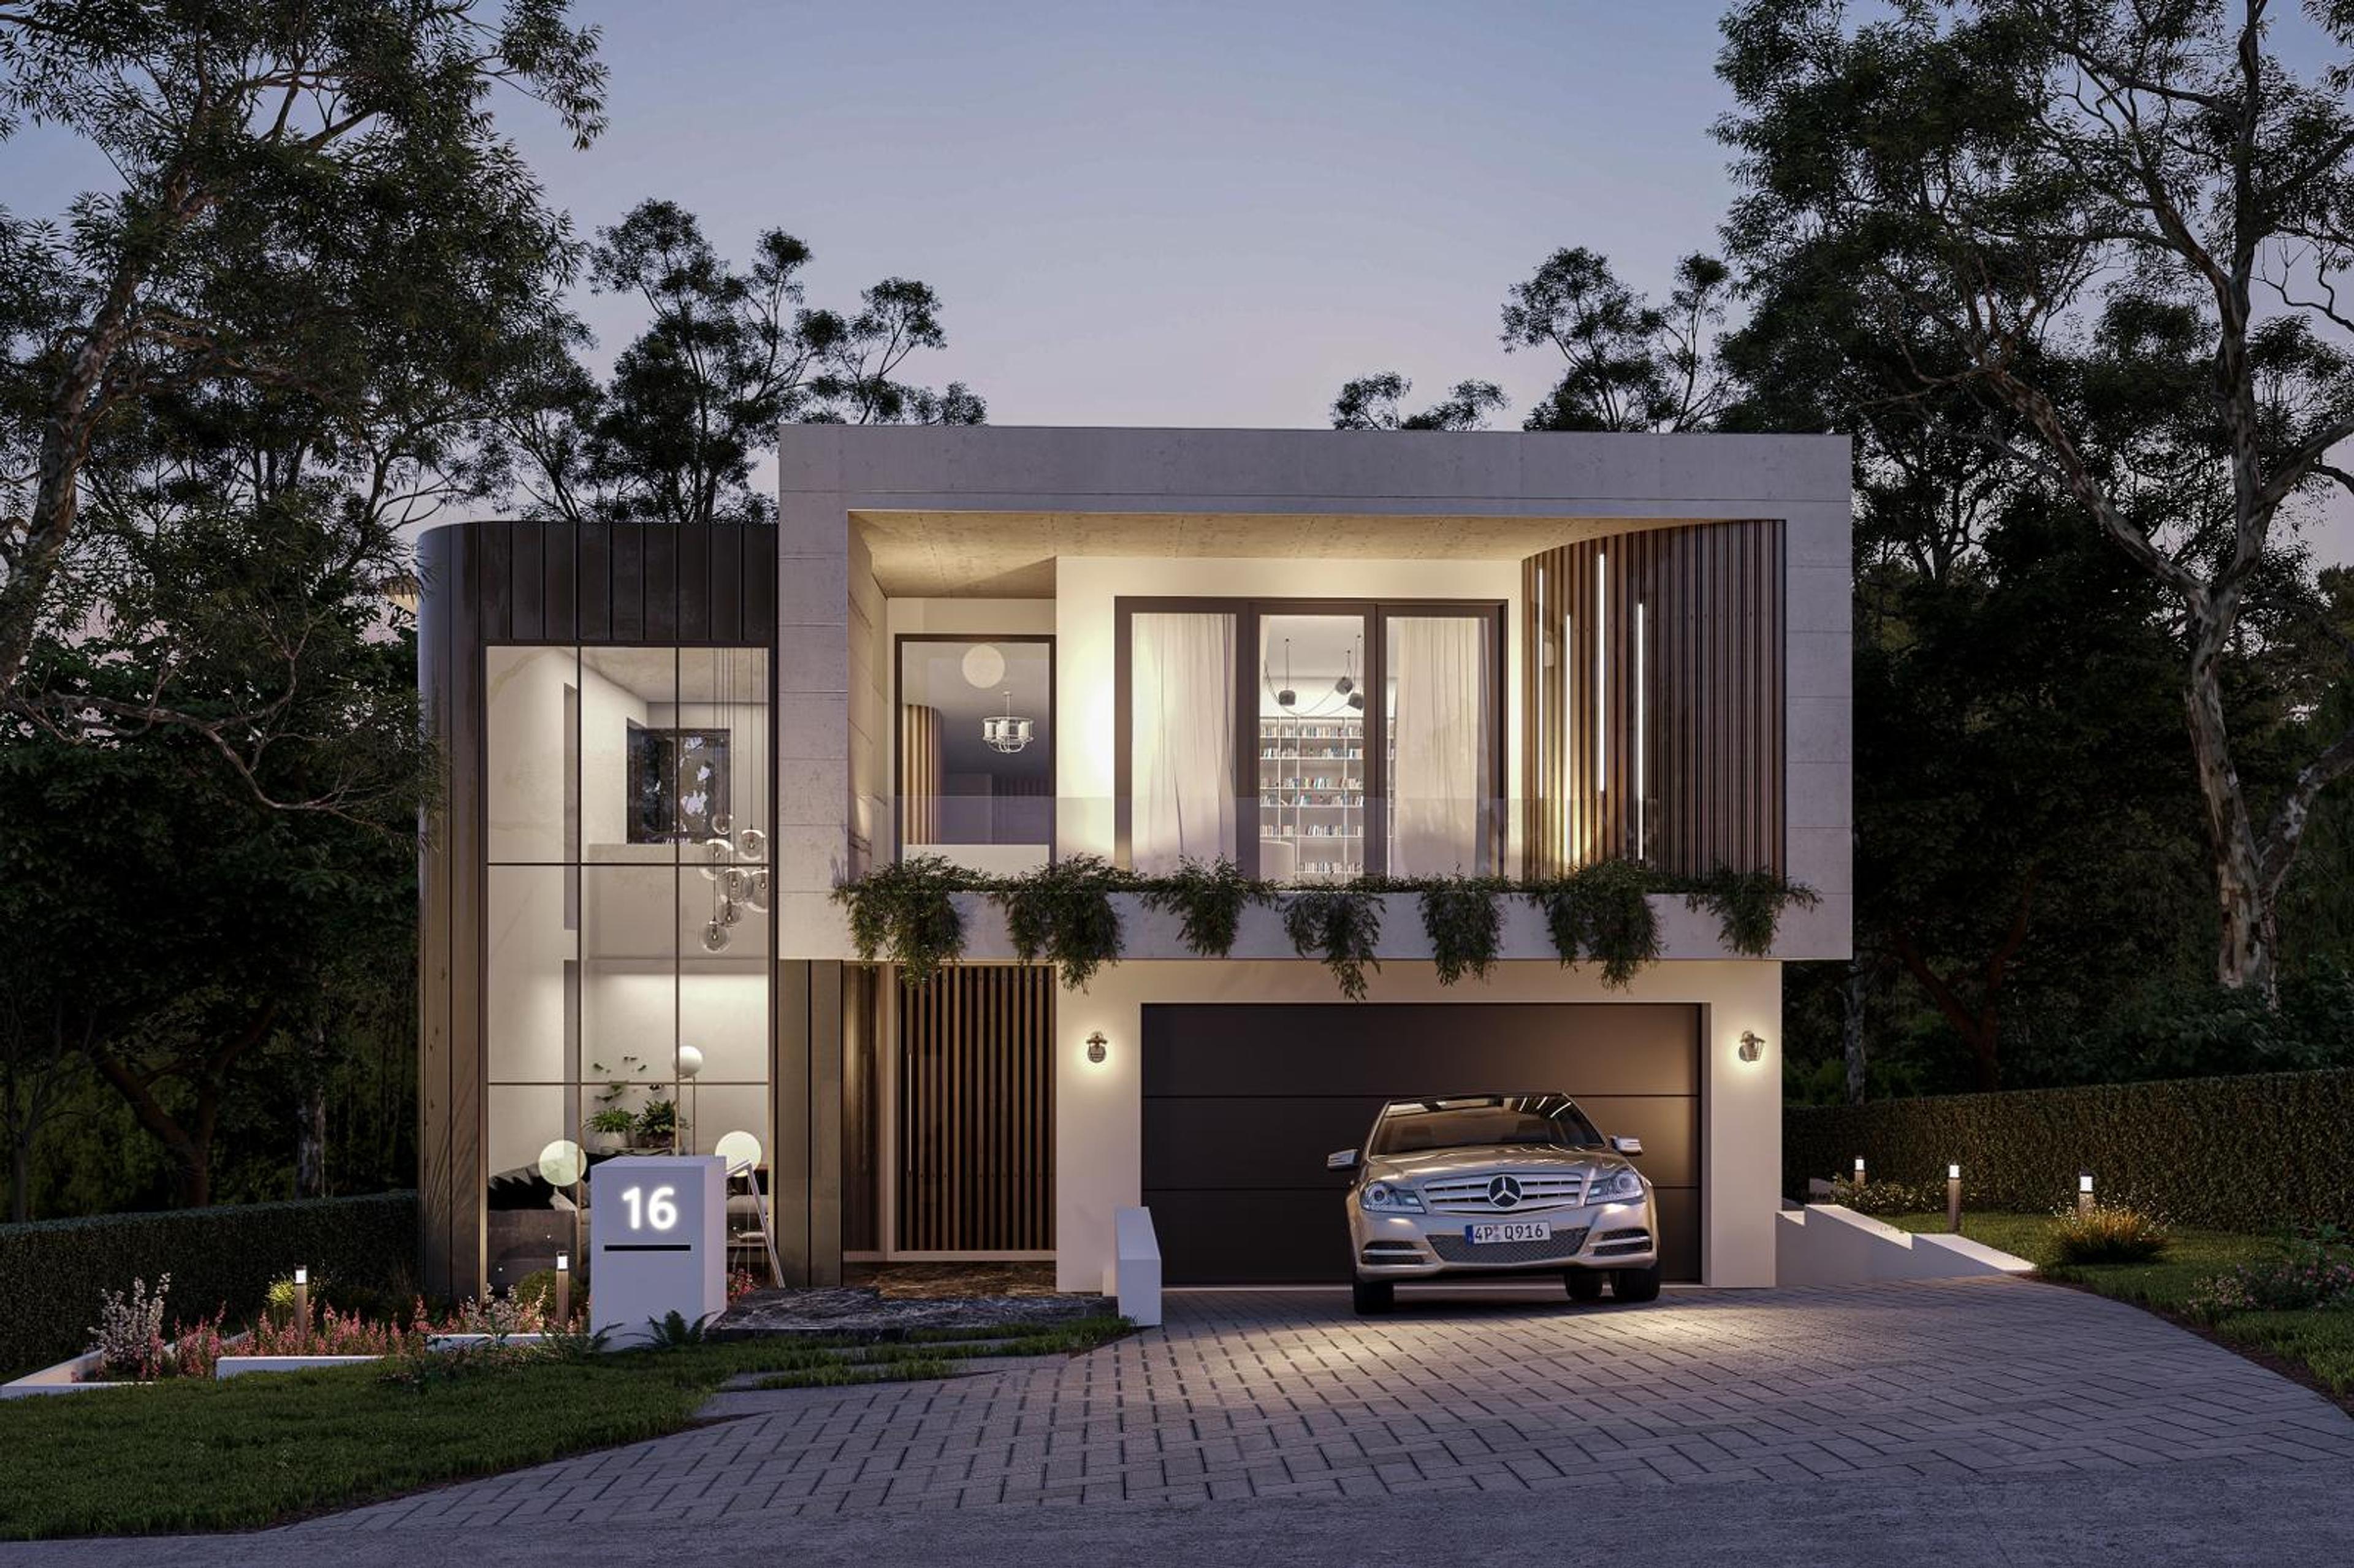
<point x="1286" y="1394"/>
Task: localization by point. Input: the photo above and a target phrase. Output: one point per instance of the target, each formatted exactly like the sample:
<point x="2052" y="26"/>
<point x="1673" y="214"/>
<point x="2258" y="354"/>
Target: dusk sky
<point x="1204" y="214"/>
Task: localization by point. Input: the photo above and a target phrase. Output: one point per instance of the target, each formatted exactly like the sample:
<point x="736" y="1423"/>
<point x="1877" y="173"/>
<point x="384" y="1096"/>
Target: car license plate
<point x="1509" y="1230"/>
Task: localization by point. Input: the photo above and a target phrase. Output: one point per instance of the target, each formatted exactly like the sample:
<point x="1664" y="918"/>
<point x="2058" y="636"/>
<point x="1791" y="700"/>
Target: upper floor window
<point x="1310" y="741"/>
<point x="976" y="747"/>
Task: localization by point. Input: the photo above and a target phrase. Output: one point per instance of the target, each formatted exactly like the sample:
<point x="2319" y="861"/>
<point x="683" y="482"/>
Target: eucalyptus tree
<point x="1376" y="402"/>
<point x="296" y="181"/>
<point x="725" y="357"/>
<point x="2066" y="208"/>
<point x="1627" y="364"/>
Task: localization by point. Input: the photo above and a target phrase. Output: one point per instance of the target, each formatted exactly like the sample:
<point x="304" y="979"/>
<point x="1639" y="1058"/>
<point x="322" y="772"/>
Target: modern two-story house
<point x="1318" y="655"/>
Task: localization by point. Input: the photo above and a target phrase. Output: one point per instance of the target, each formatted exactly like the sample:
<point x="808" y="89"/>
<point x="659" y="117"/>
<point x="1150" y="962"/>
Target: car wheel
<point x="1374" y="1296"/>
<point x="1635" y="1284"/>
<point x="1583" y="1284"/>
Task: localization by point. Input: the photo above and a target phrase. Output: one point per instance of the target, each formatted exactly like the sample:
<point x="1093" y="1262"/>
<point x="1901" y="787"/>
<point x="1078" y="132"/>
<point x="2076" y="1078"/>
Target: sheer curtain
<point x="1443" y="776"/>
<point x="1181" y="725"/>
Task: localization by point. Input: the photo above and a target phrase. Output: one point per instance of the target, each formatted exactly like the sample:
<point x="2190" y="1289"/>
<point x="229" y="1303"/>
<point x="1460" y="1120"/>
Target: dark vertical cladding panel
<point x="489" y="591"/>
<point x="696" y="550"/>
<point x="760" y="586"/>
<point x="660" y="564"/>
<point x="439" y="560"/>
<point x="595" y="582"/>
<point x="628" y="582"/>
<point x="788" y="1166"/>
<point x="725" y="584"/>
<point x="527" y="582"/>
<point x="976" y="1112"/>
<point x="559" y="551"/>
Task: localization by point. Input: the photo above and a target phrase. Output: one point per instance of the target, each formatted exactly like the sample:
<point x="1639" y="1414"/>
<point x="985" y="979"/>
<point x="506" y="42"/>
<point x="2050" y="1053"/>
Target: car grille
<point x="1562" y="1244"/>
<point x="1468" y="1194"/>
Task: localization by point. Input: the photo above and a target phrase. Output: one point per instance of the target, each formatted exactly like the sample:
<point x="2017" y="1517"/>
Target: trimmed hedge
<point x="54" y="1272"/>
<point x="2240" y="1153"/>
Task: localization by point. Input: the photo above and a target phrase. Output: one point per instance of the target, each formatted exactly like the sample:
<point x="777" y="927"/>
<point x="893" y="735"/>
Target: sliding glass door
<point x="1311" y="740"/>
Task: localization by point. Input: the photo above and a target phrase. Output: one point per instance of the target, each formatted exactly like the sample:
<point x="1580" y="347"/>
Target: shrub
<point x="51" y="1271"/>
<point x="129" y="1333"/>
<point x="2108" y="1233"/>
<point x="1888" y="1197"/>
<point x="2238" y="1153"/>
<point x="2313" y="1270"/>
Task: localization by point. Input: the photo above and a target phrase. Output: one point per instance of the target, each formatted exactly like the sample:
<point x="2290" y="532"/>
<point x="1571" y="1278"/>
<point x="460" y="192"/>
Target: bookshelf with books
<point x="1311" y="798"/>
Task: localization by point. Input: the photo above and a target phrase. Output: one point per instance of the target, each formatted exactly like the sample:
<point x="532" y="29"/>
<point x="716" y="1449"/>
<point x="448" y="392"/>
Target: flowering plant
<point x="129" y="1333"/>
<point x="2311" y="1271"/>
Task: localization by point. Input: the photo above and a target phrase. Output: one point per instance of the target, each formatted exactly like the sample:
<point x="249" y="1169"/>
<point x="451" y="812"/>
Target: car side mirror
<point x="1626" y="1145"/>
<point x="1343" y="1160"/>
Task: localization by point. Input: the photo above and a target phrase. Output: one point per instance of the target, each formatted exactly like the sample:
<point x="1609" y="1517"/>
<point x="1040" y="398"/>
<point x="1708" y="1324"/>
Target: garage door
<point x="1242" y="1103"/>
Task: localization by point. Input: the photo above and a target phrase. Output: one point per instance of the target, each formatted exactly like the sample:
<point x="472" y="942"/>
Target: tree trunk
<point x="1852" y="996"/>
<point x="311" y="1143"/>
<point x="2245" y="959"/>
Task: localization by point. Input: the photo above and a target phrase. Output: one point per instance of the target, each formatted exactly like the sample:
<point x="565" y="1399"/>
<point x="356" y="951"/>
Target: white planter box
<point x="66" y="1377"/>
<point x="236" y="1366"/>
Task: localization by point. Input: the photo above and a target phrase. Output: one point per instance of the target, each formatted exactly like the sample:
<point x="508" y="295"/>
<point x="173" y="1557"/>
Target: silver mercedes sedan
<point x="1487" y="1184"/>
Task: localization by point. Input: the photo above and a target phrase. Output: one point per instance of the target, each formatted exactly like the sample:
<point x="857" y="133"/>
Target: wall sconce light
<point x="1097" y="1047"/>
<point x="1753" y="1045"/>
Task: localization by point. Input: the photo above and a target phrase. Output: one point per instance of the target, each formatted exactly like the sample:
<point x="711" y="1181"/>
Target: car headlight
<point x="1382" y="1198"/>
<point x="1619" y="1186"/>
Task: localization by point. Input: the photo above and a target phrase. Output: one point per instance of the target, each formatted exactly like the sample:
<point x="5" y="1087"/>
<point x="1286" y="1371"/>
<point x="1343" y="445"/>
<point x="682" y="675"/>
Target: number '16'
<point x="659" y="1212"/>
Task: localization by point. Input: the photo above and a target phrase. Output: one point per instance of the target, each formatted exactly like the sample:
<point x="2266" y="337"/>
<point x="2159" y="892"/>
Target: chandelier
<point x="734" y="887"/>
<point x="1004" y="732"/>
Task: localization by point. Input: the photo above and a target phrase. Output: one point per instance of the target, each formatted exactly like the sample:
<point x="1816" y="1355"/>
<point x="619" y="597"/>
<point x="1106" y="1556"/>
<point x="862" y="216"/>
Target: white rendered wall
<point x="1098" y="1109"/>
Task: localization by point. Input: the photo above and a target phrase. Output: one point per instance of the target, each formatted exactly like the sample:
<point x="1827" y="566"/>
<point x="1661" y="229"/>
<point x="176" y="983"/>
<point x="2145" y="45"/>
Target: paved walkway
<point x="1285" y="1394"/>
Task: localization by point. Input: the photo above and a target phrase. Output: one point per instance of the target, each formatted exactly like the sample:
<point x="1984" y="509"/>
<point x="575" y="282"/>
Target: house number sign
<point x="657" y="1242"/>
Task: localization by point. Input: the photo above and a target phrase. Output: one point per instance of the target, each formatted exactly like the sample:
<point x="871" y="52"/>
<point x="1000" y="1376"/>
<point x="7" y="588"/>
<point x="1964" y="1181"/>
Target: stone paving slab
<point x="1286" y="1394"/>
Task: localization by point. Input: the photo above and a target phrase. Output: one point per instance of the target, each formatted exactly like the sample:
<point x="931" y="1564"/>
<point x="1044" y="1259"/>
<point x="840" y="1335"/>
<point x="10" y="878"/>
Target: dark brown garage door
<point x="1243" y="1103"/>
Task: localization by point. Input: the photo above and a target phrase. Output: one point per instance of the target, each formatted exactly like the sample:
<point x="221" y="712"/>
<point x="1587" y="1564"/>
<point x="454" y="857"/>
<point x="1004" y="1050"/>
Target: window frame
<point x="1247" y="610"/>
<point x="898" y="752"/>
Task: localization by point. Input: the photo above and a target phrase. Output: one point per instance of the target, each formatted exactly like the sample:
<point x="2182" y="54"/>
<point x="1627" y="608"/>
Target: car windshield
<point x="1411" y="1127"/>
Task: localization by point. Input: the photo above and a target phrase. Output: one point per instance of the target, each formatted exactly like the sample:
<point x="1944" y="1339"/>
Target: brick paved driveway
<point x="1286" y="1394"/>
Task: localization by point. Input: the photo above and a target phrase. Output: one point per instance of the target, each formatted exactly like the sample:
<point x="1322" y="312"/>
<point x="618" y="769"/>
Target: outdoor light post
<point x="303" y="1298"/>
<point x="1954" y="1199"/>
<point x="1859" y="1169"/>
<point x="2085" y="1192"/>
<point x="563" y="1289"/>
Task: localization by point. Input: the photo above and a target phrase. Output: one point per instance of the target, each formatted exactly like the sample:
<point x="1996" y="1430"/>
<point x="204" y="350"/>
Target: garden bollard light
<point x="301" y="1299"/>
<point x="1954" y="1199"/>
<point x="563" y="1288"/>
<point x="2084" y="1194"/>
<point x="1859" y="1169"/>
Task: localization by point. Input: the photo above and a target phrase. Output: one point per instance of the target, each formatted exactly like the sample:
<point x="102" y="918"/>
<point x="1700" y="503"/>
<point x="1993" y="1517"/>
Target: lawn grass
<point x="258" y="1450"/>
<point x="2318" y="1344"/>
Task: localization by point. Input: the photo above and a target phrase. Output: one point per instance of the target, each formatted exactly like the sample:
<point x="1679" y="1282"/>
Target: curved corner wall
<point x="1653" y="703"/>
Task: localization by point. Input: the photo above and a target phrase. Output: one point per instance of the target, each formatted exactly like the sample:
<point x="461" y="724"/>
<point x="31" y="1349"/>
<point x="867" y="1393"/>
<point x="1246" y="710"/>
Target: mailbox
<point x="658" y="1242"/>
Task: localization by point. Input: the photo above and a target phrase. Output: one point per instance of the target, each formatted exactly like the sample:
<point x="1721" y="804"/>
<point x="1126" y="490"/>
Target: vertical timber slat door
<point x="977" y="1111"/>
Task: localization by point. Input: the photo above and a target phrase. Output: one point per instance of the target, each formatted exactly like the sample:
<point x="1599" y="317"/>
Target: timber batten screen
<point x="976" y="1113"/>
<point x="1652" y="700"/>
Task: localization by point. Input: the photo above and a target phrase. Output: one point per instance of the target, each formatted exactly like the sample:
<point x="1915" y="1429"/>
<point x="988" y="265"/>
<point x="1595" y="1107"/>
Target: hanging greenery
<point x="903" y="912"/>
<point x="1602" y="912"/>
<point x="1063" y="912"/>
<point x="1461" y="916"/>
<point x="1339" y="925"/>
<point x="1208" y="899"/>
<point x="1748" y="906"/>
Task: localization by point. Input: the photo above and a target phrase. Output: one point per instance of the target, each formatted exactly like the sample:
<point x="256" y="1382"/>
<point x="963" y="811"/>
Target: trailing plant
<point x="1602" y="912"/>
<point x="902" y="912"/>
<point x="1208" y="899"/>
<point x="1461" y="917"/>
<point x="1748" y="906"/>
<point x="1339" y="925"/>
<point x="1063" y="912"/>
